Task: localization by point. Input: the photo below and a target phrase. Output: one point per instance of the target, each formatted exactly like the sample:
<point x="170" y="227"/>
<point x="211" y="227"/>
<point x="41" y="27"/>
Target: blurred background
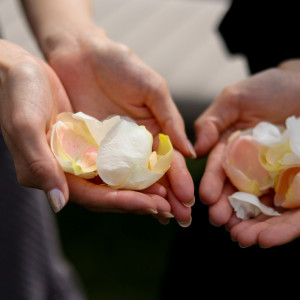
<point x="127" y="256"/>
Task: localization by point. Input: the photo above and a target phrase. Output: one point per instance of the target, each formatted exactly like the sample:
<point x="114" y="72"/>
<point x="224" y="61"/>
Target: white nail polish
<point x="56" y="200"/>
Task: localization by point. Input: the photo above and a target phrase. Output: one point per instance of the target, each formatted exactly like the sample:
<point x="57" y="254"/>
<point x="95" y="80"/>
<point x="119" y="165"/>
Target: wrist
<point x="68" y="39"/>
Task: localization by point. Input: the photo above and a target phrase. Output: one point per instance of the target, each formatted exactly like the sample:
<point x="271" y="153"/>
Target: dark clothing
<point x="32" y="266"/>
<point x="266" y="32"/>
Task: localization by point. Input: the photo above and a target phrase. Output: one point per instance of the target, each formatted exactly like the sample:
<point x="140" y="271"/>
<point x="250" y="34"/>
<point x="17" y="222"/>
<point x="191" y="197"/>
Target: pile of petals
<point x="264" y="158"/>
<point x="117" y="150"/>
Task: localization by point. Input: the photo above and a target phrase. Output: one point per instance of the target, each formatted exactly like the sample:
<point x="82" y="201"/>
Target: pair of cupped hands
<point x="101" y="78"/>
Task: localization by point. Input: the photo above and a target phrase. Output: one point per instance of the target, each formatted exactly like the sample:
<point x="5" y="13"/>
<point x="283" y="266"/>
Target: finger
<point x="35" y="164"/>
<point x="181" y="181"/>
<point x="169" y="118"/>
<point x="213" y="179"/>
<point x="221" y="115"/>
<point x="221" y="211"/>
<point x="181" y="212"/>
<point x="101" y="198"/>
<point x="281" y="230"/>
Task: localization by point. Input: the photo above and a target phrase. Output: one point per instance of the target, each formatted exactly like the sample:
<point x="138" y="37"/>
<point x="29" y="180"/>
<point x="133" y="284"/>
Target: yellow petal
<point x="272" y="158"/>
<point x="165" y="154"/>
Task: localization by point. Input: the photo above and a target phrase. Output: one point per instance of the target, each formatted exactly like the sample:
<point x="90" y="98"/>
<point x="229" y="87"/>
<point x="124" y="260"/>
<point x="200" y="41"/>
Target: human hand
<point x="104" y="78"/>
<point x="269" y="96"/>
<point x="31" y="97"/>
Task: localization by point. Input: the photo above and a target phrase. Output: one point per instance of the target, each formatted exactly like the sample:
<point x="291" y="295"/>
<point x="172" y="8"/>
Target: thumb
<point x="36" y="166"/>
<point x="220" y="116"/>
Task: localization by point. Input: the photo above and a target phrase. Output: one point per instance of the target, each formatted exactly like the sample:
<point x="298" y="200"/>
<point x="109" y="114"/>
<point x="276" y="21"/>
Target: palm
<point x="267" y="231"/>
<point x="104" y="78"/>
<point x="109" y="79"/>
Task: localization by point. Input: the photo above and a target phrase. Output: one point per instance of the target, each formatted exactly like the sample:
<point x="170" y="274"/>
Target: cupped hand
<point x="272" y="95"/>
<point x="266" y="231"/>
<point x="104" y="78"/>
<point x="31" y="97"/>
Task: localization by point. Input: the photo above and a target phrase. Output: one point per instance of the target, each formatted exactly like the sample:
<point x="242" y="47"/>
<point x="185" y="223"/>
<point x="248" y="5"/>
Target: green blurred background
<point x="119" y="256"/>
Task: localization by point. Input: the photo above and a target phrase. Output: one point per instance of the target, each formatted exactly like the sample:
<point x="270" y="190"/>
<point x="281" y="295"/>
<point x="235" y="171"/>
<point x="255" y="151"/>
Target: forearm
<point x="57" y="21"/>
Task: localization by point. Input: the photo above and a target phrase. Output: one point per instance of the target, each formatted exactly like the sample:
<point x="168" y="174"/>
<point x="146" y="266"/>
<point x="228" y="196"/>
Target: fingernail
<point x="164" y="222"/>
<point x="151" y="211"/>
<point x="191" y="149"/>
<point x="56" y="200"/>
<point x="189" y="204"/>
<point x="166" y="214"/>
<point x="185" y="223"/>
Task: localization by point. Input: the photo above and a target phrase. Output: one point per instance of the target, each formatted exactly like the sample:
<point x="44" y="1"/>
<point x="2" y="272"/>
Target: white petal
<point x="126" y="145"/>
<point x="267" y="134"/>
<point x="247" y="206"/>
<point x="293" y="127"/>
<point x="140" y="178"/>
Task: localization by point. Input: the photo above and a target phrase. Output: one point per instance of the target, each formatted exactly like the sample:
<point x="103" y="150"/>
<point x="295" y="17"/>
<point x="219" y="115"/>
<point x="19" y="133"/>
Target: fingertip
<point x="207" y="135"/>
<point x="56" y="199"/>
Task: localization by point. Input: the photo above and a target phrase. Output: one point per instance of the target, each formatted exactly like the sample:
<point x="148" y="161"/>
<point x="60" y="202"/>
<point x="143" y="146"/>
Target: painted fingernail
<point x="56" y="200"/>
<point x="189" y="204"/>
<point x="191" y="149"/>
<point x="185" y="223"/>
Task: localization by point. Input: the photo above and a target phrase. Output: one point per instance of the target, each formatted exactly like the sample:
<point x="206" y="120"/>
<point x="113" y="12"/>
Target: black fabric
<point x="32" y="266"/>
<point x="266" y="32"/>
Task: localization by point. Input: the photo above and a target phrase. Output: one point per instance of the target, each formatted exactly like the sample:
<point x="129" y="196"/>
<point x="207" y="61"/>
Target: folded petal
<point x="267" y="134"/>
<point x="293" y="127"/>
<point x="243" y="168"/>
<point x="142" y="176"/>
<point x="248" y="206"/>
<point x="74" y="153"/>
<point x="126" y="145"/>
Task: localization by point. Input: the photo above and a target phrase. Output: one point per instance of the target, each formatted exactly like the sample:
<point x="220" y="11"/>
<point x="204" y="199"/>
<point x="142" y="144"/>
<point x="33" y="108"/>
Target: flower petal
<point x="293" y="127"/>
<point x="124" y="146"/>
<point x="267" y="134"/>
<point x="243" y="167"/>
<point x="141" y="177"/>
<point x="288" y="188"/>
<point x="248" y="206"/>
<point x="74" y="153"/>
<point x="165" y="154"/>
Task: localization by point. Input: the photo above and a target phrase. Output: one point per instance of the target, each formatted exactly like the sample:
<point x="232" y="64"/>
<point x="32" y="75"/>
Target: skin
<point x="272" y="95"/>
<point x="100" y="77"/>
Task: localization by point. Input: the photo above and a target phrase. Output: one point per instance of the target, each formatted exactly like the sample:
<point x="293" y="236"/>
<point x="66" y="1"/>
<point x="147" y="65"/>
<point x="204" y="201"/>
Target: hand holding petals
<point x="117" y="149"/>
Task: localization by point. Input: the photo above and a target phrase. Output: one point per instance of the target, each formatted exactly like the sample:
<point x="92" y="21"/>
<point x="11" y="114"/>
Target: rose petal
<point x="293" y="127"/>
<point x="288" y="188"/>
<point x="243" y="167"/>
<point x="267" y="134"/>
<point x="126" y="145"/>
<point x="73" y="152"/>
<point x="248" y="206"/>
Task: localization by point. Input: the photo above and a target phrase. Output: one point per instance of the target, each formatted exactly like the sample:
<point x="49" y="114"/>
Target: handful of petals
<point x="117" y="149"/>
<point x="263" y="158"/>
